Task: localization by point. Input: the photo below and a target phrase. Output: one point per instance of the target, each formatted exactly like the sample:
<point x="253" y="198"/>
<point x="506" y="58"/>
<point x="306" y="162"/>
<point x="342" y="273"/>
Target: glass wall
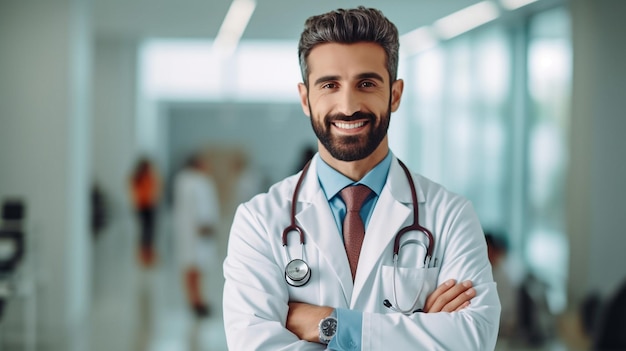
<point x="549" y="82"/>
<point x="461" y="124"/>
<point x="486" y="114"/>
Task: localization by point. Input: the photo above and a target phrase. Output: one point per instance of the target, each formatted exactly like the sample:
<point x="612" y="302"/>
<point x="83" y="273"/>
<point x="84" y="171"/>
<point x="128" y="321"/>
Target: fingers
<point x="450" y="297"/>
<point x="462" y="299"/>
<point x="465" y="304"/>
<point x="430" y="300"/>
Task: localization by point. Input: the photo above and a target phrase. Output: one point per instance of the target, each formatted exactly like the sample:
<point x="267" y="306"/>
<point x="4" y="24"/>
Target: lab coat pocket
<point x="410" y="284"/>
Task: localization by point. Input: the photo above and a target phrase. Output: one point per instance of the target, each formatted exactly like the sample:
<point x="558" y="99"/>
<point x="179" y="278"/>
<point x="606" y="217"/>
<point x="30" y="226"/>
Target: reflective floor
<point x="138" y="309"/>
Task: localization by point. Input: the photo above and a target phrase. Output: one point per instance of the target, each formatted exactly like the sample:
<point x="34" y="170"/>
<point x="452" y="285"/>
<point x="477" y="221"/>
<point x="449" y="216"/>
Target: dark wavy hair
<point x="347" y="27"/>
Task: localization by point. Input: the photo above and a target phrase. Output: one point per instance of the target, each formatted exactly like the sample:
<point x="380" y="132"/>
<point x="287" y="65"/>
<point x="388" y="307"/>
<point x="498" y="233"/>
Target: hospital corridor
<point x="132" y="131"/>
<point x="139" y="309"/>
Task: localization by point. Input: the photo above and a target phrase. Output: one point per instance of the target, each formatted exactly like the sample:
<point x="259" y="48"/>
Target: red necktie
<point x="353" y="229"/>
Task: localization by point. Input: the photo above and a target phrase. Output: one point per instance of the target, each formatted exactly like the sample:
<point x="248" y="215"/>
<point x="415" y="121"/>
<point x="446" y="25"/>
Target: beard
<point x="351" y="147"/>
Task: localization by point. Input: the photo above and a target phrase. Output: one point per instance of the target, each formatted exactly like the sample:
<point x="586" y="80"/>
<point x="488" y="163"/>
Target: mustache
<point x="355" y="116"/>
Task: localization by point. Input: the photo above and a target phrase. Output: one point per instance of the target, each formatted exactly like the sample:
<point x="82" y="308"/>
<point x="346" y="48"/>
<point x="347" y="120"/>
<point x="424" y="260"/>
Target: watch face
<point x="329" y="327"/>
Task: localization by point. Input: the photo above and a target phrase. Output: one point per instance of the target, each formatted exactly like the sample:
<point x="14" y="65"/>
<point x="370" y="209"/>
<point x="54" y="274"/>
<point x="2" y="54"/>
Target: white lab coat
<point x="195" y="205"/>
<point x="256" y="295"/>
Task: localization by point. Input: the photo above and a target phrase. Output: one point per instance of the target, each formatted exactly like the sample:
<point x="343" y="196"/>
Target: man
<point x="352" y="295"/>
<point x="196" y="216"/>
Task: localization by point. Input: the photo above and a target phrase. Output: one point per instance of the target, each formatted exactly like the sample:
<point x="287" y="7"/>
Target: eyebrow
<point x="370" y="75"/>
<point x="366" y="75"/>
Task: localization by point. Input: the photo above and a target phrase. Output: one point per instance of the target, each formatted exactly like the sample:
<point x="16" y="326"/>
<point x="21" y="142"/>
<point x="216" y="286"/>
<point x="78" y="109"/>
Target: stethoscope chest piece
<point x="297" y="272"/>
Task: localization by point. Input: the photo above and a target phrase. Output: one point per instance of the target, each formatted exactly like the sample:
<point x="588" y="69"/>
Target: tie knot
<point x="354" y="196"/>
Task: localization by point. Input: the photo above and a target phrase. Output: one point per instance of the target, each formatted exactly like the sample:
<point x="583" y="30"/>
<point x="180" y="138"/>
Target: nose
<point x="348" y="102"/>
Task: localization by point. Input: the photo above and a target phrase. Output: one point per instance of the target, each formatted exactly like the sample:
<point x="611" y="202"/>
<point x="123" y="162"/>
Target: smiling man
<point x="355" y="252"/>
<point x="350" y="101"/>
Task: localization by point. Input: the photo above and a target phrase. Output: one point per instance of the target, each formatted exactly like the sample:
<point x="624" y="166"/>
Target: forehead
<point x="346" y="60"/>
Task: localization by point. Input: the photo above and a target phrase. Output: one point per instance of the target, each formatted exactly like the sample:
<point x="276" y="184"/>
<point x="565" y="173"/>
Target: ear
<point x="304" y="99"/>
<point x="396" y="94"/>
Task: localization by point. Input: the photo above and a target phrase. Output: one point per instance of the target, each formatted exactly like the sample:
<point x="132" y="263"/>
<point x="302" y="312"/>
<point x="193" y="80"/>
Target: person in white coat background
<point x="196" y="217"/>
<point x="292" y="280"/>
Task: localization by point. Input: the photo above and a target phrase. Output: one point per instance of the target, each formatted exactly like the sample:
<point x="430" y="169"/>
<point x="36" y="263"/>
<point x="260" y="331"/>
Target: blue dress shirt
<point x="349" y="322"/>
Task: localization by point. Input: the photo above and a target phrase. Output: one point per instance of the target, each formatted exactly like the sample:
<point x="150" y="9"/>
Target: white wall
<point x="597" y="183"/>
<point x="44" y="124"/>
<point x="114" y="145"/>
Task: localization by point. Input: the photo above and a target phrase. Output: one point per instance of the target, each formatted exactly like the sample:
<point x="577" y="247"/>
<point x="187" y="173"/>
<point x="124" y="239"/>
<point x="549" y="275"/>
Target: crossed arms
<point x="303" y="318"/>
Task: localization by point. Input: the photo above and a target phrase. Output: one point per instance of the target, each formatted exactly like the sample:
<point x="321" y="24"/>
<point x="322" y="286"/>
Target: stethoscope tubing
<point x="296" y="277"/>
<point x="415" y="226"/>
<point x="294" y="201"/>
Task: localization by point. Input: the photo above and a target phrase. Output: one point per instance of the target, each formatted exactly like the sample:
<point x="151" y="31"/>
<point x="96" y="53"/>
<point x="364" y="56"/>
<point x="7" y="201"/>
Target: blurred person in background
<point x="196" y="217"/>
<point x="145" y="192"/>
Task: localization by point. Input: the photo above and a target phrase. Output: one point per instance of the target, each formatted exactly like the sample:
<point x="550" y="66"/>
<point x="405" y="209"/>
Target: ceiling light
<point x="515" y="4"/>
<point x="466" y="19"/>
<point x="418" y="40"/>
<point x="234" y="24"/>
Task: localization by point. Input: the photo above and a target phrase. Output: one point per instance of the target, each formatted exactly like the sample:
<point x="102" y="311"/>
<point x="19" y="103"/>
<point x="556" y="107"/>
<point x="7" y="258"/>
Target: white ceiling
<point x="272" y="19"/>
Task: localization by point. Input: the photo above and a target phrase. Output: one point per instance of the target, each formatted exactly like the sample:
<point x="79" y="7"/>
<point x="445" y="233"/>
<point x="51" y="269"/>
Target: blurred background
<point x="514" y="104"/>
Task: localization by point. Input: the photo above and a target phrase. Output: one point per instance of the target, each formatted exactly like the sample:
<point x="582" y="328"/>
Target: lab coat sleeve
<point x="473" y="328"/>
<point x="255" y="294"/>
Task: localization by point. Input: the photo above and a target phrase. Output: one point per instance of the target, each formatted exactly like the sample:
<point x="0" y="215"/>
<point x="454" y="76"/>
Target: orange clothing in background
<point x="145" y="190"/>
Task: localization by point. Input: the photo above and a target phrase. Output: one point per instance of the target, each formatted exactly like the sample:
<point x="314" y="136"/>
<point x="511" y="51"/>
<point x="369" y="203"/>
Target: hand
<point x="450" y="297"/>
<point x="303" y="320"/>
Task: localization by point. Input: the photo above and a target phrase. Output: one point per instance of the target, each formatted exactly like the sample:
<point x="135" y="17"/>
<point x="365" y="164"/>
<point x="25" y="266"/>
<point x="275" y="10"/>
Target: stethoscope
<point x="298" y="272"/>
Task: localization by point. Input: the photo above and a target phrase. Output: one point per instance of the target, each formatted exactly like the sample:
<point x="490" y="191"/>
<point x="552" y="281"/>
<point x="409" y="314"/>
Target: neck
<point x="356" y="170"/>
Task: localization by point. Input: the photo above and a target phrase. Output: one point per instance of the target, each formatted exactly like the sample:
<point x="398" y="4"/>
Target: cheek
<point x="317" y="100"/>
<point x="319" y="106"/>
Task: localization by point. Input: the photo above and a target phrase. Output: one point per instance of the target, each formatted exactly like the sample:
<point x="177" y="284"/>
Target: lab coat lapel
<point x="392" y="212"/>
<point x="320" y="229"/>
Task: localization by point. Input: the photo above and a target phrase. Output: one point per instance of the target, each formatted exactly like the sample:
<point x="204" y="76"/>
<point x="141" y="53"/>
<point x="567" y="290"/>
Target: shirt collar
<point x="332" y="181"/>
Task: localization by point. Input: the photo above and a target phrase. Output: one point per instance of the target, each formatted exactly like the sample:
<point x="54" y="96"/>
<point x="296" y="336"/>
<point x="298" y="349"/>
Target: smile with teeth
<point x="349" y="125"/>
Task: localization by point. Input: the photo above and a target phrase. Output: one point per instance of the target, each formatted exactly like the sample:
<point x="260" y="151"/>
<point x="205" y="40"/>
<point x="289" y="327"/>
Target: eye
<point x="367" y="84"/>
<point x="329" y="86"/>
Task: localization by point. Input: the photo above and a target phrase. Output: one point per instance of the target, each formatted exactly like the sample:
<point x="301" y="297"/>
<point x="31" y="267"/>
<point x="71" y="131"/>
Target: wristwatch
<point x="328" y="329"/>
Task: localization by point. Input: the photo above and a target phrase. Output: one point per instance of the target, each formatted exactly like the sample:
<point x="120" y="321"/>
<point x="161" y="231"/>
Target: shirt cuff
<point x="349" y="330"/>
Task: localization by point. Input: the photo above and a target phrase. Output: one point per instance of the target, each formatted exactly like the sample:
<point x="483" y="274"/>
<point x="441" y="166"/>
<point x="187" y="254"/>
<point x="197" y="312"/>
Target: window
<point x="486" y="115"/>
<point x="192" y="70"/>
